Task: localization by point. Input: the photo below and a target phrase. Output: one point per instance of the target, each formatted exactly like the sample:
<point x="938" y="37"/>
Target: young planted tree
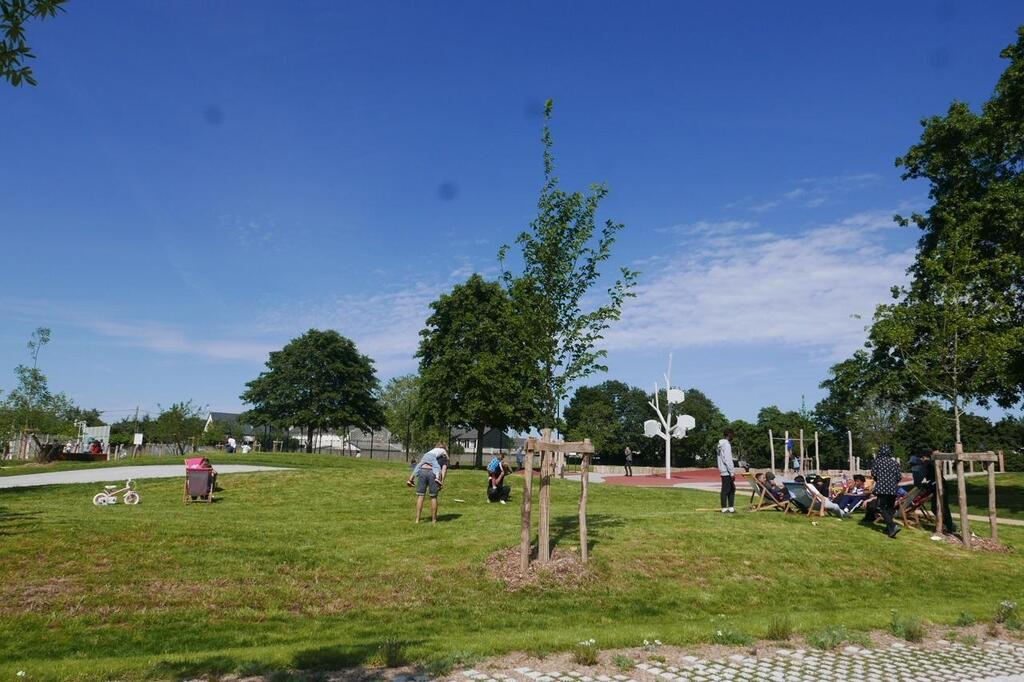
<point x="477" y="362"/>
<point x="561" y="261"/>
<point x="318" y="381"/>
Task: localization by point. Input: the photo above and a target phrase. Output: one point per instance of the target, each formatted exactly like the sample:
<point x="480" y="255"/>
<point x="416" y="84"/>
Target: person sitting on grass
<point x="497" y="491"/>
<point x="429" y="476"/>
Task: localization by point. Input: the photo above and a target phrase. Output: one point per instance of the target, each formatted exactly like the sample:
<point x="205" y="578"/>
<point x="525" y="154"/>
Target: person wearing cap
<point x="887" y="473"/>
<point x="429" y="476"/>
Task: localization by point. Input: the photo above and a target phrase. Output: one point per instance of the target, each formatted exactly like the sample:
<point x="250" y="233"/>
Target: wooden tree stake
<point x="961" y="483"/>
<point x="584" y="480"/>
<point x="940" y="495"/>
<point x="525" y="531"/>
<point x="544" y="522"/>
<point x="991" y="466"/>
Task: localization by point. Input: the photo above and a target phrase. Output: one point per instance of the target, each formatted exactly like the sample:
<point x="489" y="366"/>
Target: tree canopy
<point x="317" y="381"/>
<point x="478" y="362"/>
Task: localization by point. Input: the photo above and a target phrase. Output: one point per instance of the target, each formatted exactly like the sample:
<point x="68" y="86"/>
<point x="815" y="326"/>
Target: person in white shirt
<point x="232" y="444"/>
<point x="727" y="470"/>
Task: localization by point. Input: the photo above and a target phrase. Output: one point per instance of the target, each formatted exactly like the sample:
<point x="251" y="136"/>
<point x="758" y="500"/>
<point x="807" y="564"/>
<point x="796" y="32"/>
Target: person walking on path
<point x="727" y="470"/>
<point x="887" y="473"/>
<point x="429" y="475"/>
<point x="629" y="461"/>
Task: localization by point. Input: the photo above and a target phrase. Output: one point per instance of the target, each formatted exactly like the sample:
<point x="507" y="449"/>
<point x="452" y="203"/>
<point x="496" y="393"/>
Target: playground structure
<point x="804" y="459"/>
<point x="666" y="429"/>
<point x="957" y="459"/>
<point x="550" y="451"/>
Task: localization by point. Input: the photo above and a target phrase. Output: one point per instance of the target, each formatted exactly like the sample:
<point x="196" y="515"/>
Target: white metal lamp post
<point x="665" y="428"/>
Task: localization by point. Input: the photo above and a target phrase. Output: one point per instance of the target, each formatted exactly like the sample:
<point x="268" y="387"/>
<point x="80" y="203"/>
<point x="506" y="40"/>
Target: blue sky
<point x="192" y="184"/>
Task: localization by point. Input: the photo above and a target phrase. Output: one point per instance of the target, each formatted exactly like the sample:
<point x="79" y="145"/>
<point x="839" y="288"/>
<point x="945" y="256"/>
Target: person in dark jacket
<point x="887" y="474"/>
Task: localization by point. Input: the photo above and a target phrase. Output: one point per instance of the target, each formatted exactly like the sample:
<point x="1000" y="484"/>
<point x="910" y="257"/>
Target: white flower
<point x="646" y="643"/>
<point x="658" y="642"/>
<point x="21" y="673"/>
<point x="718" y="634"/>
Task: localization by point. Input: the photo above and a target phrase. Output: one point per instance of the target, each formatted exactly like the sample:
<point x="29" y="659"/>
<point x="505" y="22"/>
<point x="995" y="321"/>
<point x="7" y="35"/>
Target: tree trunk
<point x="956" y="417"/>
<point x="309" y="438"/>
<point x="480" y="445"/>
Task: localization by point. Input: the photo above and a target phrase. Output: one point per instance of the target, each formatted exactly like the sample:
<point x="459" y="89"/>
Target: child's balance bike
<point x="110" y="493"/>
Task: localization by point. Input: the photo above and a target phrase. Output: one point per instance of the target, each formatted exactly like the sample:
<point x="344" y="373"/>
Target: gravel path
<point x="119" y="474"/>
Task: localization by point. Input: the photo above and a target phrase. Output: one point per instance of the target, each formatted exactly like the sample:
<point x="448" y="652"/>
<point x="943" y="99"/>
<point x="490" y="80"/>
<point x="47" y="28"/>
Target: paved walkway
<point x="991" y="662"/>
<point x="109" y="474"/>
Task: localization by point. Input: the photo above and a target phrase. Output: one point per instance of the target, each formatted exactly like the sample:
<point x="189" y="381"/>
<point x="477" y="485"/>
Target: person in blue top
<point x="428" y="475"/>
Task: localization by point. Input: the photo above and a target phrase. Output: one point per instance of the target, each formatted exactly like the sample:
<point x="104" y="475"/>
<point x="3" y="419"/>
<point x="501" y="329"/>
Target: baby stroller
<point x="200" y="479"/>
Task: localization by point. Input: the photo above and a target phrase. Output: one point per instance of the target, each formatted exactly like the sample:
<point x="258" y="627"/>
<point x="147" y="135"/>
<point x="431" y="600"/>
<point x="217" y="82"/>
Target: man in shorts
<point x="429" y="476"/>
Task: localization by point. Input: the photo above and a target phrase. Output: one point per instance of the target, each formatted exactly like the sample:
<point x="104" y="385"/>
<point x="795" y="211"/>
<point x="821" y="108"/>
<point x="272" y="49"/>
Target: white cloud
<point x="799" y="290"/>
<point x="811" y="192"/>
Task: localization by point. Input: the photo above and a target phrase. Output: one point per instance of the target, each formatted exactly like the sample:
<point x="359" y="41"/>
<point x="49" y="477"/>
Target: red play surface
<point x="658" y="479"/>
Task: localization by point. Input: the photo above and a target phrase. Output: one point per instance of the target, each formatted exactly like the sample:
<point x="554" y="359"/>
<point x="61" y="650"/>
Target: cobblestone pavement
<point x="990" y="662"/>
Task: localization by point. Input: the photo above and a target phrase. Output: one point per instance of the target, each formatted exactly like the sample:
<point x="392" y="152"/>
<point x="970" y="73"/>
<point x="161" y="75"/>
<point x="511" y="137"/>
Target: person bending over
<point x="497" y="491"/>
<point x="429" y="475"/>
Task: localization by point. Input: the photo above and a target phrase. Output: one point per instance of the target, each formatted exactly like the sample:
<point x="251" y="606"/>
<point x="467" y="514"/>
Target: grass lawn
<point x="319" y="567"/>
<point x="1009" y="496"/>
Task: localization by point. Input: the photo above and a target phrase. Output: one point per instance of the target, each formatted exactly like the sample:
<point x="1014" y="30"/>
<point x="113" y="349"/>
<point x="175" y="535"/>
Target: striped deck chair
<point x="763" y="498"/>
<point x="912" y="505"/>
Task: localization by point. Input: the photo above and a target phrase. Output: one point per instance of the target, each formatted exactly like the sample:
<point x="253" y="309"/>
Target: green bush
<point x="585" y="652"/>
<point x="909" y="628"/>
<point x="965" y="619"/>
<point x="1006" y="611"/>
<point x="392" y="652"/>
<point x="623" y="663"/>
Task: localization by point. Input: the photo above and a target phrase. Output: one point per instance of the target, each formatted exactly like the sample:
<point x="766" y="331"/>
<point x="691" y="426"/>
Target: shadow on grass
<point x="15" y="520"/>
<point x="563" y="527"/>
<point x="448" y="517"/>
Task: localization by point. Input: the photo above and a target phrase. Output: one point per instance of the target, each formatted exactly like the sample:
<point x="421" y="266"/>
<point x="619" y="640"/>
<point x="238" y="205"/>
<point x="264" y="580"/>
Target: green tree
<point x="956" y="333"/>
<point x="699" y="446"/>
<point x="477" y="362"/>
<point x="14" y="50"/>
<point x="560" y="265"/>
<point x="318" y="380"/>
<point x="179" y="425"/>
<point x="611" y="414"/>
<point x="401" y="400"/>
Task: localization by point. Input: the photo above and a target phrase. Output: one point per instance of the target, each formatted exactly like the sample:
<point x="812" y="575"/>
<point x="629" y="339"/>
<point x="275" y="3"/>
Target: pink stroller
<point x="200" y="479"/>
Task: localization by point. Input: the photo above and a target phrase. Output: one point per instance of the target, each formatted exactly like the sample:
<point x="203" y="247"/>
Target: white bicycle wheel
<point x="131" y="497"/>
<point x="99" y="499"/>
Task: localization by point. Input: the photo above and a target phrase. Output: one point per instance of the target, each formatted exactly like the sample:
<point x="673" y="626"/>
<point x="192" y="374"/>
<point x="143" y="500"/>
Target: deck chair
<point x="763" y="498"/>
<point x="199" y="481"/>
<point x="912" y="505"/>
<point x="800" y="499"/>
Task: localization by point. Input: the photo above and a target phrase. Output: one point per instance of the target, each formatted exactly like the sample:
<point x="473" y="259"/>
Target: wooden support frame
<point x="957" y="458"/>
<point x="548" y="449"/>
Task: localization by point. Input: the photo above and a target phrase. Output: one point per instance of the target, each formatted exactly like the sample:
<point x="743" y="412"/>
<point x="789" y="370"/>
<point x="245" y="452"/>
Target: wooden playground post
<point x="1002" y="462"/>
<point x="802" y="463"/>
<point x="524" y="535"/>
<point x="849" y="447"/>
<point x="584" y="480"/>
<point x="771" y="447"/>
<point x="817" y="457"/>
<point x="785" y="454"/>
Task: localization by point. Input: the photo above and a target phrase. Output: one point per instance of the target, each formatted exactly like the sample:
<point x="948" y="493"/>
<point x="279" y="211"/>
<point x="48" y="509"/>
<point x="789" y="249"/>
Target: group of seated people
<point x="840" y="500"/>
